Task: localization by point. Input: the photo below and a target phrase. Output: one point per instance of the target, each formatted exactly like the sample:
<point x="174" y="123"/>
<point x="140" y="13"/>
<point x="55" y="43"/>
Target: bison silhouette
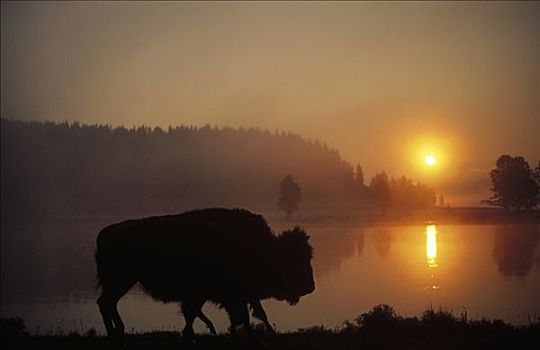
<point x="227" y="256"/>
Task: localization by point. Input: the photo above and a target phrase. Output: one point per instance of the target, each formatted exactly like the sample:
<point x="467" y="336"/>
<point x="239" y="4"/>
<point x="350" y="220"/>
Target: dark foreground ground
<point x="380" y="328"/>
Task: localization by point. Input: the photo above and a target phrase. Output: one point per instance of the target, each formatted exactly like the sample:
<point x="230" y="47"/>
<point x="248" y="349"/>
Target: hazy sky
<point x="382" y="82"/>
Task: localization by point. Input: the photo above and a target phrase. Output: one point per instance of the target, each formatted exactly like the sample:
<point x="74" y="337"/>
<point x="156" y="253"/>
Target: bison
<point x="227" y="256"/>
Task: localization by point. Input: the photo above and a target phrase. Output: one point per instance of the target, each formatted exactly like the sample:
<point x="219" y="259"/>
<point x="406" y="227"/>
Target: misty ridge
<point x="51" y="170"/>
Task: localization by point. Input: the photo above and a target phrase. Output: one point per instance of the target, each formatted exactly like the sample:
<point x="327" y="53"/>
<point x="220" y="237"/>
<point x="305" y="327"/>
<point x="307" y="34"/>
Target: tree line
<point x="400" y="195"/>
<point x="53" y="170"/>
<point x="515" y="186"/>
<point x="76" y="169"/>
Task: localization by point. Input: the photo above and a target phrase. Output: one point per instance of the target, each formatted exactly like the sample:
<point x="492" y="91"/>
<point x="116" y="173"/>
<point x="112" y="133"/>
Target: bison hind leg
<point x="191" y="309"/>
<point x="107" y="302"/>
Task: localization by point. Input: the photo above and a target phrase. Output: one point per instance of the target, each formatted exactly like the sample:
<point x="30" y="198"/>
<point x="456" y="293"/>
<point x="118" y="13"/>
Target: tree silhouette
<point x="290" y="195"/>
<point x="537" y="179"/>
<point x="441" y="200"/>
<point x="513" y="184"/>
<point x="380" y="187"/>
<point x="359" y="175"/>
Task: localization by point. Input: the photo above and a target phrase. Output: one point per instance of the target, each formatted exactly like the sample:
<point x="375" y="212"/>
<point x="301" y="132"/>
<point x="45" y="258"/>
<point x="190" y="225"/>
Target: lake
<point x="48" y="276"/>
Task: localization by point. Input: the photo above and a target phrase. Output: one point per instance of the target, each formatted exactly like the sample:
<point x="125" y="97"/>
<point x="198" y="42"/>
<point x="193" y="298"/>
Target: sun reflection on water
<point x="431" y="245"/>
<point x="431" y="254"/>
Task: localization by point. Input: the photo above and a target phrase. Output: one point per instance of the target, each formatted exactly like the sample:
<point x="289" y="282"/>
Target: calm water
<point x="48" y="271"/>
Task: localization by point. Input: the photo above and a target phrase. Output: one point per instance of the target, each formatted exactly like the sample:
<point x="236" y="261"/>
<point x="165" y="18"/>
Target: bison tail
<point x="105" y="268"/>
<point x="99" y="278"/>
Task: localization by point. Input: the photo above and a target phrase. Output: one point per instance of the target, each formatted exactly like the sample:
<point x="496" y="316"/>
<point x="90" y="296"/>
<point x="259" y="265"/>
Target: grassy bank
<point x="380" y="328"/>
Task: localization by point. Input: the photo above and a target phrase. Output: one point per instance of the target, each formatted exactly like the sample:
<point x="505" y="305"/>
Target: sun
<point x="430" y="160"/>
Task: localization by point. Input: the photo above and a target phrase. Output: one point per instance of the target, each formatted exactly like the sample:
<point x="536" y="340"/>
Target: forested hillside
<point x="51" y="170"/>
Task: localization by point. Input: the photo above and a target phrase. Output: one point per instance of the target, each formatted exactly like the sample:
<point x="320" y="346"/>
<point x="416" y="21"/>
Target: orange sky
<point x="378" y="81"/>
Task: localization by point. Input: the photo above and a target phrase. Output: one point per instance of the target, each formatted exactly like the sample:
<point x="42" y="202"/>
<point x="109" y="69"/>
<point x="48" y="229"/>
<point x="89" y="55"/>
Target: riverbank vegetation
<point x="380" y="328"/>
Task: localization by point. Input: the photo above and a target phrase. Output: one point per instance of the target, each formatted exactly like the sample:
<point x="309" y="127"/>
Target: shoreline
<point x="379" y="328"/>
<point x="437" y="216"/>
<point x="444" y="216"/>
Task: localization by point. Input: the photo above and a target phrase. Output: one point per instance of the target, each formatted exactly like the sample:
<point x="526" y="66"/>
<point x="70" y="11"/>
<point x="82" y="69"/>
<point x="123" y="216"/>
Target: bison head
<point x="295" y="272"/>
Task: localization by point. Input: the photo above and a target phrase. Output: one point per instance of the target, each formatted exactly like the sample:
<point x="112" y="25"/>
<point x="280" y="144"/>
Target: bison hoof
<point x="188" y="341"/>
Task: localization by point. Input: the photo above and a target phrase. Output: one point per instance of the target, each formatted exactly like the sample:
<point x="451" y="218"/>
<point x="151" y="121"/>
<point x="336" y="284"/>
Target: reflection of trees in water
<point x="333" y="245"/>
<point x="383" y="241"/>
<point x="514" y="249"/>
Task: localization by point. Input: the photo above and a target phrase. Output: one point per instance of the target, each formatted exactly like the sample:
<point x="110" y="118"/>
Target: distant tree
<point x="359" y="175"/>
<point x="537" y="179"/>
<point x="290" y="195"/>
<point x="513" y="184"/>
<point x="380" y="188"/>
<point x="441" y="200"/>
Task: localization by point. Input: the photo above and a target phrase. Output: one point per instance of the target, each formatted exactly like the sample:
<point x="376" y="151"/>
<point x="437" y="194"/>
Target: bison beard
<point x="227" y="256"/>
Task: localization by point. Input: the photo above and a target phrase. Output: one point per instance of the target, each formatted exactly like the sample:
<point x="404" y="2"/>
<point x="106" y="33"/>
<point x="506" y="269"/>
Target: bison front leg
<point x="238" y="315"/>
<point x="207" y="321"/>
<point x="258" y="312"/>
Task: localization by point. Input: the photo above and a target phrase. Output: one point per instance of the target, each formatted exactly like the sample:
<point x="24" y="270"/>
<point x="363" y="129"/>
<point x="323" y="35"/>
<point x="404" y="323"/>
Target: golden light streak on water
<point x="431" y="245"/>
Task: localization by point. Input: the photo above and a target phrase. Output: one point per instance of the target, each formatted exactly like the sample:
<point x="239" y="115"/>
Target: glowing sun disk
<point x="430" y="160"/>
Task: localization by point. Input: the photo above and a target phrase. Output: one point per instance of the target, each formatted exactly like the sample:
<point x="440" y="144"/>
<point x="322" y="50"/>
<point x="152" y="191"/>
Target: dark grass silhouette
<point x="379" y="328"/>
<point x="227" y="256"/>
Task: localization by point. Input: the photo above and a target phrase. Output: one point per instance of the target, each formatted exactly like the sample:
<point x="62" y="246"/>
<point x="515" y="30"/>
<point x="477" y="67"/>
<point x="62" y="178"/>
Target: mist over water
<point x="48" y="275"/>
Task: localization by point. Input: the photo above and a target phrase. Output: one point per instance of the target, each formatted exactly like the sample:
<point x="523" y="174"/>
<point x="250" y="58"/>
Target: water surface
<point x="48" y="276"/>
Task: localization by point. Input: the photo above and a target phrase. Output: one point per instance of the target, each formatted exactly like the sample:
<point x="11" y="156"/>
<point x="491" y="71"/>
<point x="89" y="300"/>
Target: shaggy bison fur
<point x="227" y="256"/>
